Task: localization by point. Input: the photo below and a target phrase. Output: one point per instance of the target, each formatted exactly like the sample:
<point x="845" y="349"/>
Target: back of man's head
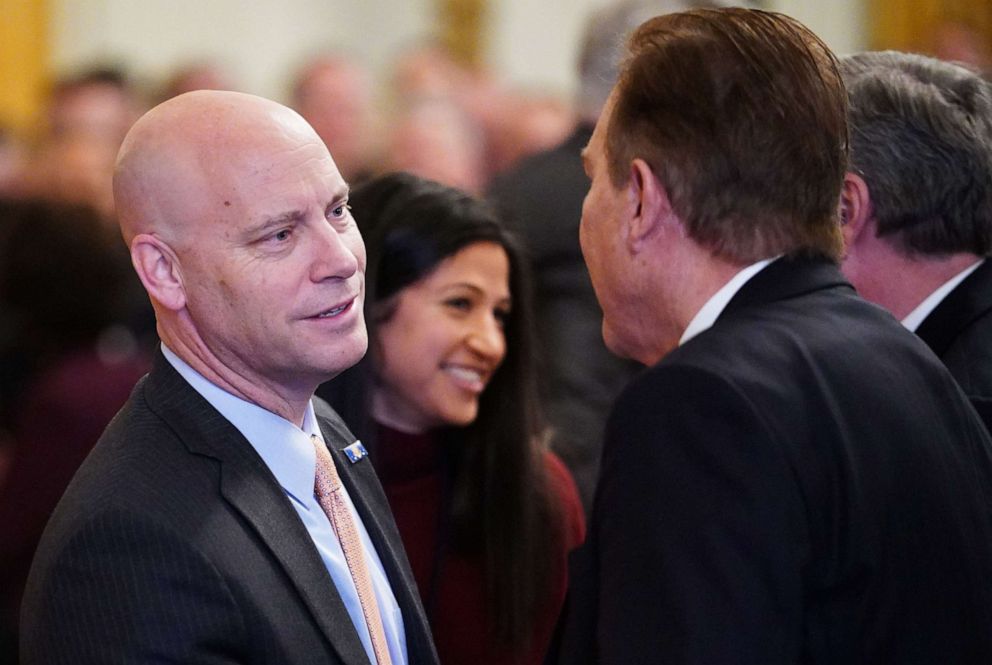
<point x="921" y="138"/>
<point x="601" y="51"/>
<point x="741" y="115"/>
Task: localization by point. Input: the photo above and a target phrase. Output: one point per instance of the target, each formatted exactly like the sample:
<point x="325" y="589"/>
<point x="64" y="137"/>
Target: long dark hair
<point x="501" y="505"/>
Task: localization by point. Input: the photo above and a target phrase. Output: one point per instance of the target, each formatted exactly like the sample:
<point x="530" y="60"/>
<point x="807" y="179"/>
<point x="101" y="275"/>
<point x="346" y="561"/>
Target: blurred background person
<point x="437" y="140"/>
<point x="13" y="157"/>
<point x="542" y="200"/>
<point x="956" y="41"/>
<point x="98" y="101"/>
<point x="201" y="75"/>
<point x="87" y="115"/>
<point x="74" y="169"/>
<point x="529" y="122"/>
<point x="67" y="366"/>
<point x="917" y="205"/>
<point x="427" y="70"/>
<point x="445" y="403"/>
<point x="335" y="95"/>
<point x="509" y="122"/>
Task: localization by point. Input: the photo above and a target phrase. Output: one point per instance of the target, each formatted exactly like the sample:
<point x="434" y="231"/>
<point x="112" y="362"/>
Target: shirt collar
<point x="922" y="311"/>
<point x="710" y="311"/>
<point x="284" y="447"/>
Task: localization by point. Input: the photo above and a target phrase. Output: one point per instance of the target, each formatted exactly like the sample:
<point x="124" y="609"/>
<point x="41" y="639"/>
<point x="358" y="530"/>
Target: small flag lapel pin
<point x="355" y="452"/>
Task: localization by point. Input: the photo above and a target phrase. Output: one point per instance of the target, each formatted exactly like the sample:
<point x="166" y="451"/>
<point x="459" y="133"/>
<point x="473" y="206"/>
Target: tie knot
<point x="326" y="479"/>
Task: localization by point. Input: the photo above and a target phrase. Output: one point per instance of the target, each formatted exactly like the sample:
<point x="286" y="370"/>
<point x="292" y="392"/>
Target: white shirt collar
<point x="922" y="311"/>
<point x="711" y="310"/>
<point x="284" y="447"/>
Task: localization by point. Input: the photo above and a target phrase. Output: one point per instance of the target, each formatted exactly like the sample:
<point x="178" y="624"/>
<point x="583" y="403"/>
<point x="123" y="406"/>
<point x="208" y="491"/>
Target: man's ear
<point x="648" y="204"/>
<point x="855" y="209"/>
<point x="158" y="268"/>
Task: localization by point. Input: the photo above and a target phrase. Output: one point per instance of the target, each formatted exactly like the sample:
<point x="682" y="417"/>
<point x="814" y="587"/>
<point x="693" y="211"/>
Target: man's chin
<point x="614" y="342"/>
<point x="347" y="354"/>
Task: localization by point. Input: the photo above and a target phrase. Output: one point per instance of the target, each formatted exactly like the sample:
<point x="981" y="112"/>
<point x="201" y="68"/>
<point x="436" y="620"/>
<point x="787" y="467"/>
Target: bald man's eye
<point x="281" y="235"/>
<point x="338" y="211"/>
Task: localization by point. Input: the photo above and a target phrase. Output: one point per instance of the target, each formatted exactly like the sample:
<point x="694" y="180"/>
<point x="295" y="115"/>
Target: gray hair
<point x="921" y="138"/>
<point x="606" y="34"/>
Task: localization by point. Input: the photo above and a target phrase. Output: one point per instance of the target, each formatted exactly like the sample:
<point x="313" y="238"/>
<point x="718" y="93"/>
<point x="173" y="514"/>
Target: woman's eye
<point x="458" y="303"/>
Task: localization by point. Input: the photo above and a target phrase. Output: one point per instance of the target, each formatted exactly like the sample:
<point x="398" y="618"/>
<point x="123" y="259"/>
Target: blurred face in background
<point x="438" y="141"/>
<point x="442" y="341"/>
<point x="335" y="97"/>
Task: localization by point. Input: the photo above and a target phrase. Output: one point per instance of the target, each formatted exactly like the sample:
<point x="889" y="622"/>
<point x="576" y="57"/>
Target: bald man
<point x="192" y="534"/>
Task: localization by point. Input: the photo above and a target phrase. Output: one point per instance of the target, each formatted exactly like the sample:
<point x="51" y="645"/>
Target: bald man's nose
<point x="334" y="254"/>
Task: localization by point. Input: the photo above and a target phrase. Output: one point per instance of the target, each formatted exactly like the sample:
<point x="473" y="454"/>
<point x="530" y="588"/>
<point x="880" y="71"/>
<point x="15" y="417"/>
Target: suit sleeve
<point x="699" y="529"/>
<point x="123" y="590"/>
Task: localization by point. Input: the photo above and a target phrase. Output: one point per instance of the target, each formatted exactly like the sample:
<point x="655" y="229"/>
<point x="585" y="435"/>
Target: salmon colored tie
<point x="329" y="493"/>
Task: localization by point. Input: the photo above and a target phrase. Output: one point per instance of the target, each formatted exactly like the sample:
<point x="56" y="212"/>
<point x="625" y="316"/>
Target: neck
<point x="389" y="413"/>
<point x="696" y="279"/>
<point x="286" y="402"/>
<point x="897" y="281"/>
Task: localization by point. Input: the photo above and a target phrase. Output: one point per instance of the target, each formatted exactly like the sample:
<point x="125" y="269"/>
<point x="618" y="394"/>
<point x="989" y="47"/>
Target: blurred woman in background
<point x="445" y="402"/>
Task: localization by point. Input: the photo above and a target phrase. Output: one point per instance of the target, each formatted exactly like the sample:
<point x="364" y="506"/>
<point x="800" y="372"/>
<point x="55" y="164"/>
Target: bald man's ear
<point x="648" y="203"/>
<point x="158" y="268"/>
<point x="855" y="209"/>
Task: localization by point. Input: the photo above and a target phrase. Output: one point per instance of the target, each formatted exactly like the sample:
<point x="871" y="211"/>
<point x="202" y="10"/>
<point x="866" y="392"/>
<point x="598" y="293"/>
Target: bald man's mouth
<point x="333" y="312"/>
<point x="336" y="311"/>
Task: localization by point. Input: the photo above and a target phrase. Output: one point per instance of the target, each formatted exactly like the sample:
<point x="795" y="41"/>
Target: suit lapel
<point x="366" y="494"/>
<point x="248" y="485"/>
<point x="969" y="300"/>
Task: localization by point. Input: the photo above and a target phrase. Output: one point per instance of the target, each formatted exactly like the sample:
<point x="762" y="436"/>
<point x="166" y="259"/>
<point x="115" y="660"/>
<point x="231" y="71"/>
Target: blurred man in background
<point x="917" y="205"/>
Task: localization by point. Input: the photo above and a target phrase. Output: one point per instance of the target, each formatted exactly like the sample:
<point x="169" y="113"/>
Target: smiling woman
<point x="446" y="404"/>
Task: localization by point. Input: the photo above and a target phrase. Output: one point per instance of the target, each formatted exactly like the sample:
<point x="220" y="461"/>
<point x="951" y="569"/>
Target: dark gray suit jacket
<point x="803" y="482"/>
<point x="959" y="331"/>
<point x="175" y="543"/>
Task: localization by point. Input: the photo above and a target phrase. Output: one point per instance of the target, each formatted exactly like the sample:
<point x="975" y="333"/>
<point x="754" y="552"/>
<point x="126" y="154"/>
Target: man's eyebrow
<point x="270" y="223"/>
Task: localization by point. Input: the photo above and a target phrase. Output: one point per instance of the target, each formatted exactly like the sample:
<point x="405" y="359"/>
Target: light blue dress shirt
<point x="287" y="451"/>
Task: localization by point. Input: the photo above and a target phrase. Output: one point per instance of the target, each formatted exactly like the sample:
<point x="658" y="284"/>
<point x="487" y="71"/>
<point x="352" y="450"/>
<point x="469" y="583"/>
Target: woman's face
<point x="443" y="342"/>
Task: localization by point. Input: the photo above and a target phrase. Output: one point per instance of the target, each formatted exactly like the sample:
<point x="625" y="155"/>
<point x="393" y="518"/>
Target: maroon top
<point x="411" y="469"/>
<point x="63" y="412"/>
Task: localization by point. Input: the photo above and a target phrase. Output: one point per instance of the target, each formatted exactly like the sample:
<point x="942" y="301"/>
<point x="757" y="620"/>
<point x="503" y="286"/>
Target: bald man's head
<point x="238" y="225"/>
<point x="185" y="147"/>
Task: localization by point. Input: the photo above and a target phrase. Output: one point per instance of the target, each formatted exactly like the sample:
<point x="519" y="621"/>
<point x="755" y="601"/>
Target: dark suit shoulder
<point x="160" y="598"/>
<point x="698" y="514"/>
<point x="123" y="569"/>
<point x="969" y="359"/>
<point x="171" y="540"/>
<point x="969" y="356"/>
<point x="959" y="331"/>
<point x="142" y="460"/>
